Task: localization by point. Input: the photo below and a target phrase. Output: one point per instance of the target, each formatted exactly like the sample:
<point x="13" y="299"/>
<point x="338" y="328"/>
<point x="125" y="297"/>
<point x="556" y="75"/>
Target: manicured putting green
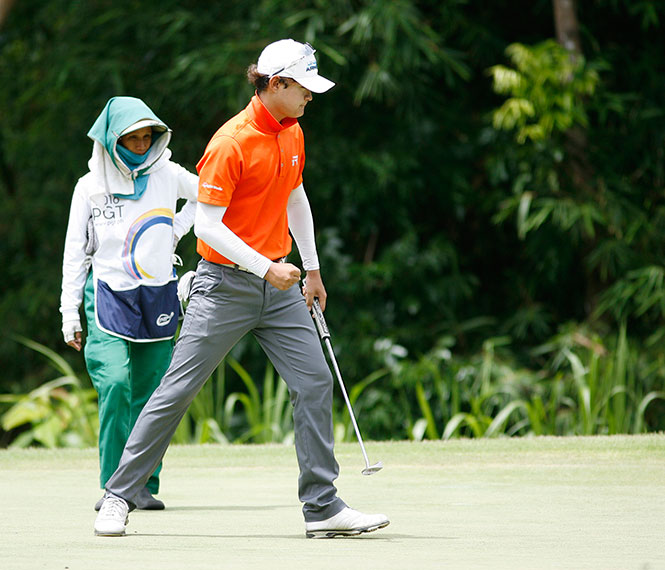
<point x="575" y="503"/>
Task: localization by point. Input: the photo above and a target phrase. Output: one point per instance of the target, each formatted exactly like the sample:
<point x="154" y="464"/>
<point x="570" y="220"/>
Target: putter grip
<point x="321" y="325"/>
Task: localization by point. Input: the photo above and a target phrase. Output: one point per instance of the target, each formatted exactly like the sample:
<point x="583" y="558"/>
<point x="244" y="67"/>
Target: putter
<point x="322" y="327"/>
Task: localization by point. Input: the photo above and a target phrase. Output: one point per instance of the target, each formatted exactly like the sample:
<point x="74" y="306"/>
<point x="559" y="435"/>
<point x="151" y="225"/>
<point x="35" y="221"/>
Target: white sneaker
<point x="345" y="523"/>
<point x="112" y="517"/>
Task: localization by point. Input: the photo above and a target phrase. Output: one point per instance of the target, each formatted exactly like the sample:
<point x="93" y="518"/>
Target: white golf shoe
<point x="347" y="522"/>
<point x="113" y="517"/>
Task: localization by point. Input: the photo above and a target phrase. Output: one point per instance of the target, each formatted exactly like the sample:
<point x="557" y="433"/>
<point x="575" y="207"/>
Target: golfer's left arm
<point x="301" y="224"/>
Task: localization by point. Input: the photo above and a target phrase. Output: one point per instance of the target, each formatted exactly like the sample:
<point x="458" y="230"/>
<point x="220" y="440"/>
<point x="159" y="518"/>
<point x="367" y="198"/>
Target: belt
<point x="241" y="268"/>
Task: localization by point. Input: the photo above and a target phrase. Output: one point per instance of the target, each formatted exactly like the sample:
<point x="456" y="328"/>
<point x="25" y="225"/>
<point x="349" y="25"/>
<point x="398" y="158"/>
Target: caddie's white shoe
<point x="112" y="517"/>
<point x="347" y="522"/>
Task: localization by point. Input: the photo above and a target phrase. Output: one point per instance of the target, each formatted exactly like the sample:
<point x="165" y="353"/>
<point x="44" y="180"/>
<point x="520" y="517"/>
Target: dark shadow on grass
<point x="262" y="536"/>
<point x="368" y="536"/>
<point x="228" y="508"/>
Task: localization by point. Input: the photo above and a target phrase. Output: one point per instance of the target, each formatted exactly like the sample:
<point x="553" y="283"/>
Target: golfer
<point x="250" y="195"/>
<point x="123" y="225"/>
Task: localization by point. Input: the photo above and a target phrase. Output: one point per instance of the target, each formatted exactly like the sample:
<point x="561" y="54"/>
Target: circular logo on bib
<point x="136" y="230"/>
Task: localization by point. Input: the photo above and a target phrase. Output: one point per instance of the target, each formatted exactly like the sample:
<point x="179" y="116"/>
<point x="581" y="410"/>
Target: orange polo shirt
<point x="250" y="166"/>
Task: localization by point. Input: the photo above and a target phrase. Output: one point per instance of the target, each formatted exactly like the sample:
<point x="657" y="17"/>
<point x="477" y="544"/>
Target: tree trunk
<point x="568" y="35"/>
<point x="5" y="7"/>
<point x="566" y="26"/>
<point x="567" y="30"/>
<point x="6" y="173"/>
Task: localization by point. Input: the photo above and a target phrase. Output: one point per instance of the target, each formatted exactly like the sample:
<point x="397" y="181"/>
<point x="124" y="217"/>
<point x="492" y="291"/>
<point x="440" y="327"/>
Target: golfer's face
<point x="137" y="141"/>
<point x="294" y="99"/>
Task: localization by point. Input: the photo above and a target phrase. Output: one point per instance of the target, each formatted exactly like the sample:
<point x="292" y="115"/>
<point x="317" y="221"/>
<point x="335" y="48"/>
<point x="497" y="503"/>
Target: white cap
<point x="289" y="58"/>
<point x="145" y="123"/>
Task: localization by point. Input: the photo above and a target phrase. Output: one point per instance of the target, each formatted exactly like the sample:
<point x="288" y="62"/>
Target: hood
<point x="118" y="117"/>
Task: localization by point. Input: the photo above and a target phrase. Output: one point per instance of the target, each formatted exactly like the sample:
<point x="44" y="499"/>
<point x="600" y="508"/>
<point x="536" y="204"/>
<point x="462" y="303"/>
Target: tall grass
<point x="60" y="413"/>
<point x="583" y="388"/>
<point x="582" y="385"/>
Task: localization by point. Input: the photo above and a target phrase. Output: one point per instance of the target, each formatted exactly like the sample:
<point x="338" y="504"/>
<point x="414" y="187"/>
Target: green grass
<point x="579" y="502"/>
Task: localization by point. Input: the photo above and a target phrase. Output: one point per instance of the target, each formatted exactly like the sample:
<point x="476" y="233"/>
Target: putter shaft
<point x="324" y="333"/>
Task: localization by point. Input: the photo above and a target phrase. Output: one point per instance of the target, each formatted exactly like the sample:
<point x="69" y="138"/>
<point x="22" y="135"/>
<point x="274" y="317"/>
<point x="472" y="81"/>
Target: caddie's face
<point x="292" y="98"/>
<point x="137" y="141"/>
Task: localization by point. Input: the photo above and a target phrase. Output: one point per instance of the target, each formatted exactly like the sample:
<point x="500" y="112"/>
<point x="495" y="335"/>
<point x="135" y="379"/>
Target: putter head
<point x="372" y="468"/>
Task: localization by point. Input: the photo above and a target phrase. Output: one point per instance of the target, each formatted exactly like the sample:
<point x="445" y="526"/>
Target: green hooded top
<point x="119" y="114"/>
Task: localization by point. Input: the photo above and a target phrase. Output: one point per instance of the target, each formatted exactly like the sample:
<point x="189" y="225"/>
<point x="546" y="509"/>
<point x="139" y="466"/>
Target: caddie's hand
<point x="282" y="275"/>
<point x="313" y="287"/>
<point x="71" y="331"/>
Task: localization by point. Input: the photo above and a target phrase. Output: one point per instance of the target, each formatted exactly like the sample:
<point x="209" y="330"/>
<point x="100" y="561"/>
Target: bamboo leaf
<point x="499" y="421"/>
<point x="642" y="407"/>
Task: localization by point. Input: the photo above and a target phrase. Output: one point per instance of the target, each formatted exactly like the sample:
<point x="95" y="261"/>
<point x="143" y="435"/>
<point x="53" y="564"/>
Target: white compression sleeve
<point x="209" y="226"/>
<point x="301" y="225"/>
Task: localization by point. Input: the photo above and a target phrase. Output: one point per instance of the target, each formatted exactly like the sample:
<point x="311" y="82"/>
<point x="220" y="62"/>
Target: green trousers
<point x="125" y="374"/>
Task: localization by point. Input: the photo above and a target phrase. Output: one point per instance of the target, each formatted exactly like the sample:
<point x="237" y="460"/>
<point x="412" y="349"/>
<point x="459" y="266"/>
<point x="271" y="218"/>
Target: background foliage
<point x="489" y="209"/>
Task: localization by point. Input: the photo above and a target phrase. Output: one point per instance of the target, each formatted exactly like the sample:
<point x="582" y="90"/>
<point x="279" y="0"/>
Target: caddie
<point x="118" y="267"/>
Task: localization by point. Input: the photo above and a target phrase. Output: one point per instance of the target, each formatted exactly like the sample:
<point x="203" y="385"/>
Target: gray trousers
<point x="225" y="305"/>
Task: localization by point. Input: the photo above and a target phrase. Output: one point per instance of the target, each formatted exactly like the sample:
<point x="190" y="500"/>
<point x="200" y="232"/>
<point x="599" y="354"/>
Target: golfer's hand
<point x="282" y="275"/>
<point x="313" y="287"/>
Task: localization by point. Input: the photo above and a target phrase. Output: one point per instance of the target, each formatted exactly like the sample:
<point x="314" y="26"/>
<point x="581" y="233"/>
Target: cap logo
<point x="276" y="60"/>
